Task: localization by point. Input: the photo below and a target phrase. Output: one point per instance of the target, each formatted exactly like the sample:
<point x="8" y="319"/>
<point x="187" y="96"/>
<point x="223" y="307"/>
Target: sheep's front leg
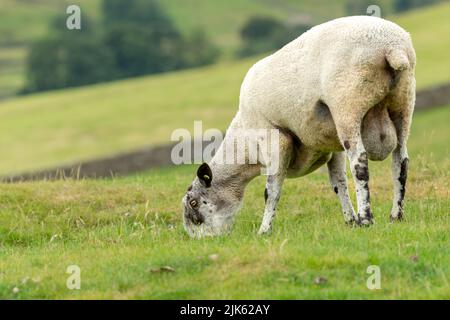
<point x="275" y="181"/>
<point x="338" y="181"/>
<point x="272" y="195"/>
<point x="360" y="170"/>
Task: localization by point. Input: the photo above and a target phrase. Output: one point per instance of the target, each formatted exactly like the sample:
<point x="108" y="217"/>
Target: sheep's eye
<point x="193" y="203"/>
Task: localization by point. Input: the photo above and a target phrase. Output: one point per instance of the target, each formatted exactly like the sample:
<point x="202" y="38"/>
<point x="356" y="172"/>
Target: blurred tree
<point x="67" y="58"/>
<point x="404" y="5"/>
<point x="258" y="28"/>
<point x="198" y="51"/>
<point x="263" y="34"/>
<point x="141" y="37"/>
<point x="139" y="50"/>
<point x="140" y="12"/>
<point x="144" y="40"/>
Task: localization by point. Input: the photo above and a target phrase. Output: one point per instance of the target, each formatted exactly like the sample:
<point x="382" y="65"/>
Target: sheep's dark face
<point x="208" y="210"/>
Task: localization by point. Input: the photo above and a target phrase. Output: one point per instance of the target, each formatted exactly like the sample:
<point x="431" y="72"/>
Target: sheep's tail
<point x="397" y="59"/>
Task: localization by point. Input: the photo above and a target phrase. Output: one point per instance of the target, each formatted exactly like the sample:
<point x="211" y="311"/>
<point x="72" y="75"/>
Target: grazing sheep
<point x="344" y="88"/>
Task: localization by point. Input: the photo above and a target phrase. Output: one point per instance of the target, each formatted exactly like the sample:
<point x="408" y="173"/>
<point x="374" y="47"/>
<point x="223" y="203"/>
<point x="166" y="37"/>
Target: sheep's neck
<point x="235" y="176"/>
<point x="234" y="173"/>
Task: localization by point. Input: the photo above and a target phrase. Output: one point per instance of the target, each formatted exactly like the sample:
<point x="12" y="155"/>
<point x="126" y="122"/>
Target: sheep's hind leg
<point x="399" y="174"/>
<point x="348" y="125"/>
<point x="359" y="166"/>
<point x="400" y="161"/>
<point x="338" y="180"/>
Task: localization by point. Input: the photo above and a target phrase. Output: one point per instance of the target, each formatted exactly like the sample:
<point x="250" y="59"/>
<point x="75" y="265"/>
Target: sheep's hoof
<point x="397" y="214"/>
<point x="264" y="230"/>
<point x="396" y="218"/>
<point x="364" y="222"/>
<point x="351" y="222"/>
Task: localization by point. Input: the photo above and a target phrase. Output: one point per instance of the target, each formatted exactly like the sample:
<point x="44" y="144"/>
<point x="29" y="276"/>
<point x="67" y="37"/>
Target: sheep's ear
<point x="204" y="174"/>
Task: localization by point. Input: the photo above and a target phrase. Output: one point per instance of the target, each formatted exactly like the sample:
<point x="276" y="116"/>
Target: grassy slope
<point x="117" y="231"/>
<point x="23" y="21"/>
<point x="87" y="122"/>
<point x="12" y="75"/>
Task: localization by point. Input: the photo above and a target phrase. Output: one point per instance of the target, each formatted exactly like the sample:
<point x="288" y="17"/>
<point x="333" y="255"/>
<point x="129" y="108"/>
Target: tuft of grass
<point x="119" y="231"/>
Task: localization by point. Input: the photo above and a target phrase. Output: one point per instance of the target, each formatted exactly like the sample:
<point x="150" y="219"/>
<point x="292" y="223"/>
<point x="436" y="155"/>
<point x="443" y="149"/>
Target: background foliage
<point x="135" y="37"/>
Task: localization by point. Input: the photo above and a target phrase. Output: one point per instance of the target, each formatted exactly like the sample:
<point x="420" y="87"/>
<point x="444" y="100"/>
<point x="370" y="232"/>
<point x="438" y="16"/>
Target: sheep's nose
<point x="195" y="217"/>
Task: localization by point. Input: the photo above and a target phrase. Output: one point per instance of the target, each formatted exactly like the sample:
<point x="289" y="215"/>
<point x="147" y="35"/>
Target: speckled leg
<point x="401" y="111"/>
<point x="360" y="170"/>
<point x="399" y="174"/>
<point x="348" y="108"/>
<point x="338" y="180"/>
<point x="274" y="183"/>
<point x="400" y="162"/>
<point x="348" y="125"/>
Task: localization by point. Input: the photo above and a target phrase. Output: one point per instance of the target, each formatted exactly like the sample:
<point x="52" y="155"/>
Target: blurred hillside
<point x="24" y="21"/>
<point x="52" y="128"/>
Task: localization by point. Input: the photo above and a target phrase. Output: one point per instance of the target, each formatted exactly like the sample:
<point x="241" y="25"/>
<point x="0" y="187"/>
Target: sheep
<point x="344" y="89"/>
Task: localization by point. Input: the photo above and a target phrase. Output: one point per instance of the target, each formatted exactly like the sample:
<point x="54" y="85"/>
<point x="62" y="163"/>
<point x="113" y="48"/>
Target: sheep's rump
<point x="335" y="68"/>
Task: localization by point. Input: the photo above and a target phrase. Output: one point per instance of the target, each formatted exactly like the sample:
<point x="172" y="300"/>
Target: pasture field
<point x="105" y="119"/>
<point x="121" y="231"/>
<point x="12" y="73"/>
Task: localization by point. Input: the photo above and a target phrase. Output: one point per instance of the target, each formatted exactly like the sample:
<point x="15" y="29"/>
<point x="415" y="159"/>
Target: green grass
<point x="118" y="230"/>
